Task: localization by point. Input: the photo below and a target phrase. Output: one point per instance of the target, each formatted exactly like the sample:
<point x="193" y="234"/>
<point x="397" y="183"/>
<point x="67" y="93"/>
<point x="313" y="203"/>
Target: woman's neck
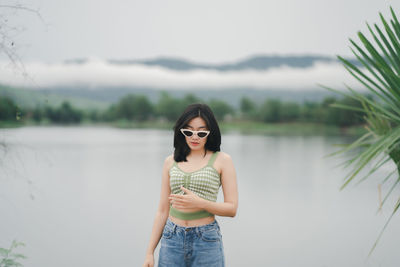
<point x="197" y="153"/>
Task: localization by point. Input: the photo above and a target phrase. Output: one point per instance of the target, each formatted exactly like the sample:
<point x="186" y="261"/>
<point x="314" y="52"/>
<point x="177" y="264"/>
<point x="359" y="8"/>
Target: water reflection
<point x="96" y="191"/>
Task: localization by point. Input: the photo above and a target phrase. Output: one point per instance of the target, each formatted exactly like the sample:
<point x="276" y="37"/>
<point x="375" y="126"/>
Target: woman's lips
<point x="195" y="144"/>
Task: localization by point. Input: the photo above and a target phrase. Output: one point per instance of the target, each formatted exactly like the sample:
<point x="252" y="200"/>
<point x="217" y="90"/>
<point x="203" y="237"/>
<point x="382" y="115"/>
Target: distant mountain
<point x="258" y="62"/>
<point x="86" y="96"/>
<point x="31" y="98"/>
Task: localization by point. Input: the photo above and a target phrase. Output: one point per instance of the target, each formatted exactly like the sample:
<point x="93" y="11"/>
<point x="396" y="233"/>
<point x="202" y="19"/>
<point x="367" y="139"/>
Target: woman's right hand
<point x="149" y="261"/>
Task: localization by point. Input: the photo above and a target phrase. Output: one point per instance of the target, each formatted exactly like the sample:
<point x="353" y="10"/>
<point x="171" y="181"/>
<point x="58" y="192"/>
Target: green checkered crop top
<point x="204" y="182"/>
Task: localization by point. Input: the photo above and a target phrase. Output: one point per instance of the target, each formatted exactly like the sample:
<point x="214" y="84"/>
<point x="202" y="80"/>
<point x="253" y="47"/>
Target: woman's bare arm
<point x="163" y="208"/>
<point x="230" y="190"/>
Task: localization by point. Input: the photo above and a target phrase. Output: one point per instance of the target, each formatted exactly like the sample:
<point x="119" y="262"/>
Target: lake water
<point x="87" y="196"/>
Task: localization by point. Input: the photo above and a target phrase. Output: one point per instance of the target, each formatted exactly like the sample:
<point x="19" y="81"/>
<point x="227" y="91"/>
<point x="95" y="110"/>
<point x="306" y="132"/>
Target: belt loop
<point x="217" y="225"/>
<point x="198" y="231"/>
<point x="173" y="230"/>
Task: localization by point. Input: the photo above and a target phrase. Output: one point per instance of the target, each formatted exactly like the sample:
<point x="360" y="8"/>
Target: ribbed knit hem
<point x="189" y="215"/>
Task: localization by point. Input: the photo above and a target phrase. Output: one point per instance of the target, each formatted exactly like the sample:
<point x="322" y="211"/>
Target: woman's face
<point x="194" y="142"/>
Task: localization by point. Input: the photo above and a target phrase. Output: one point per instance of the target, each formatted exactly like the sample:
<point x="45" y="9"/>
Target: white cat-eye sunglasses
<point x="189" y="133"/>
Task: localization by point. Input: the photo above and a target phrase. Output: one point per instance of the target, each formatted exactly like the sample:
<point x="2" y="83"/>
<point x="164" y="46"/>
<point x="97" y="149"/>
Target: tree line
<point x="136" y="107"/>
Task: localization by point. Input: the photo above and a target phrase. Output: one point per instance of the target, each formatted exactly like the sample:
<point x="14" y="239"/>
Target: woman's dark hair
<point x="193" y="111"/>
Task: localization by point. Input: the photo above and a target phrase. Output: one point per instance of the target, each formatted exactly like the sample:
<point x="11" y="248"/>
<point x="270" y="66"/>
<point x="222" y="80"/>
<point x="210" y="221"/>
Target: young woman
<point x="191" y="177"/>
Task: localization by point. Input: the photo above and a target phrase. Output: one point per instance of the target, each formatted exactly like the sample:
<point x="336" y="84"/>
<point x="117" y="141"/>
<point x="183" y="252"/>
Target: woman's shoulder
<point x="170" y="157"/>
<point x="222" y="160"/>
<point x="223" y="156"/>
<point x="169" y="161"/>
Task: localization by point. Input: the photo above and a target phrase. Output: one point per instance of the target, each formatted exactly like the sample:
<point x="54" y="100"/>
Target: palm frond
<point x="380" y="146"/>
<point x="396" y="207"/>
<point x="380" y="75"/>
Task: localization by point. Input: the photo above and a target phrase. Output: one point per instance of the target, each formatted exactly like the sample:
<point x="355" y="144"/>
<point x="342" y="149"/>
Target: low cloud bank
<point x="99" y="73"/>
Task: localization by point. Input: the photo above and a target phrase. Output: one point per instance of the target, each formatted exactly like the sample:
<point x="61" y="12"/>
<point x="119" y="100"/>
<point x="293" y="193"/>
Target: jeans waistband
<point x="200" y="228"/>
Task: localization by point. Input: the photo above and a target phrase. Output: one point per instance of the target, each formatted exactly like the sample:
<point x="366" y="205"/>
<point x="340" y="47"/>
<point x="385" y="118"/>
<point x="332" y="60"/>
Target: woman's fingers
<point x="179" y="202"/>
<point x="177" y="196"/>
<point x="180" y="206"/>
<point x="182" y="201"/>
<point x="173" y="200"/>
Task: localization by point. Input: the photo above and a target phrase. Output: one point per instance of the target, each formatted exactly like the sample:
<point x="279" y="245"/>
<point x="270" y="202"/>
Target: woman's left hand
<point x="188" y="201"/>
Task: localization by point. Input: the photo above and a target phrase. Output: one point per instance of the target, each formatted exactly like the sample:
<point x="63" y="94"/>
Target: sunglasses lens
<point x="187" y="133"/>
<point x="202" y="134"/>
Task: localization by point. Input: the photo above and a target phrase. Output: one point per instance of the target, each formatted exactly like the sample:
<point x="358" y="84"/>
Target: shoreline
<point x="241" y="127"/>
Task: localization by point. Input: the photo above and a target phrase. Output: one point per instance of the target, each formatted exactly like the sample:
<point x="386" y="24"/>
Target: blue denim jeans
<point x="191" y="246"/>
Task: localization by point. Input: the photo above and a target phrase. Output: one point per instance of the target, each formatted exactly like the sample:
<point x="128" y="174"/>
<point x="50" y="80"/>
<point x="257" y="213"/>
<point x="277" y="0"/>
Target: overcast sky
<point x="203" y="31"/>
<point x="216" y="31"/>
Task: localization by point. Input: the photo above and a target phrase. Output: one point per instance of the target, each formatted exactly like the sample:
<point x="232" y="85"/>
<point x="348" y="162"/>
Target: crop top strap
<point x="212" y="158"/>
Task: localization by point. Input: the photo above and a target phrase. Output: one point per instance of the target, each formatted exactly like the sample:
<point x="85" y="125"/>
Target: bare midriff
<point x="192" y="223"/>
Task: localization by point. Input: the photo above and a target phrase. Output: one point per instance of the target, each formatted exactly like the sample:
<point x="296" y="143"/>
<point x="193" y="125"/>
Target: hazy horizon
<point x="206" y="31"/>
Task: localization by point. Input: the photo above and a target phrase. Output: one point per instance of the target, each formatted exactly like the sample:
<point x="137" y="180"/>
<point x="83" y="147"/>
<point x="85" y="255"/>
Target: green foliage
<point x="290" y="111"/>
<point x="93" y="115"/>
<point x="64" y="114"/>
<point x="342" y="117"/>
<point x="138" y="109"/>
<point x="37" y="114"/>
<point x="309" y="112"/>
<point x="191" y="99"/>
<point x="169" y="107"/>
<point x="220" y="109"/>
<point x="134" y="107"/>
<point x="330" y="114"/>
<point x="248" y="108"/>
<point x="8" y="109"/>
<point x="111" y="113"/>
<point x="381" y="112"/>
<point x="274" y="110"/>
<point x="8" y="258"/>
<point x="270" y="110"/>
